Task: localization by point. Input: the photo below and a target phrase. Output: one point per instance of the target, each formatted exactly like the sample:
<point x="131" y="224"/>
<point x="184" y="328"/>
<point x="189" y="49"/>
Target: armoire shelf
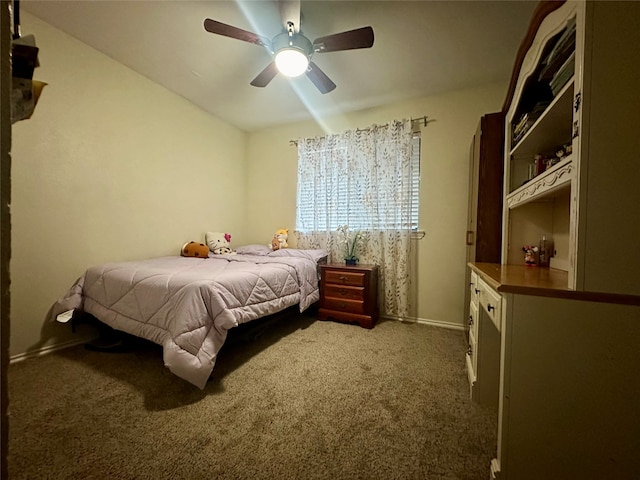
<point x="545" y="137"/>
<point x="583" y="204"/>
<point x="542" y="205"/>
<point x="544" y="186"/>
<point x="553" y="128"/>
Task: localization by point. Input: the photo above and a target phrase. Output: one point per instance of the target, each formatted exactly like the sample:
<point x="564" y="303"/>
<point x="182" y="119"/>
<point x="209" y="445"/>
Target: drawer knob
<point x="469" y="351"/>
<point x="470" y="320"/>
<point x="343" y="291"/>
<point x="477" y="291"/>
<point x="490" y="307"/>
<point x="342" y="278"/>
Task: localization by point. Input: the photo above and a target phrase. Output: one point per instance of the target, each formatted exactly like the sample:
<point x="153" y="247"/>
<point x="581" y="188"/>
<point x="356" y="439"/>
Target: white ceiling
<point x="421" y="48"/>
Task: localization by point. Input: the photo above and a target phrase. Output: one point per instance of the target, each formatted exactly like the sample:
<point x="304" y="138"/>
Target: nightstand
<point x="349" y="294"/>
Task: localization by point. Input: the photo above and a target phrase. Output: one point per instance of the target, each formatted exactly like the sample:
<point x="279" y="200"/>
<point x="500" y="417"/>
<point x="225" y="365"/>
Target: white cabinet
<point x="568" y="408"/>
<point x="576" y="87"/>
<point x="472" y="326"/>
<point x="561" y="367"/>
<point x="491" y="303"/>
<point x="474" y="289"/>
<point x="483" y="353"/>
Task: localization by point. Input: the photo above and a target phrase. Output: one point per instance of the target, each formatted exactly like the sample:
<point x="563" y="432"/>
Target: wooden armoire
<point x="484" y="217"/>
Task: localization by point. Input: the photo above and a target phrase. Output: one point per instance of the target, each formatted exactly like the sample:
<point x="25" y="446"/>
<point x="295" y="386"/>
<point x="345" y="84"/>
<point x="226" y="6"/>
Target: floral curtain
<point x="361" y="179"/>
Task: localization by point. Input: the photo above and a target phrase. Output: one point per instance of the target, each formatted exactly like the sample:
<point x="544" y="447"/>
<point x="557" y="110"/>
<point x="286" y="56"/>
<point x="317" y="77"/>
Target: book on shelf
<point x="562" y="50"/>
<point x="562" y="76"/>
<point x="525" y="122"/>
<point x="560" y="83"/>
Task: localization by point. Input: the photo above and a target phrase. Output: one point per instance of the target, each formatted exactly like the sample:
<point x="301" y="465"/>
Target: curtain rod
<point x="424" y="119"/>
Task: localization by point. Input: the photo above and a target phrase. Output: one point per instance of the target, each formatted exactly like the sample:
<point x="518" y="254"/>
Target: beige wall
<point x="110" y="167"/>
<point x="114" y="167"/>
<point x="272" y="172"/>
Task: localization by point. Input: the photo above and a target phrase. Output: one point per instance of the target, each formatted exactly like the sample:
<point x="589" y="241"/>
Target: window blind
<point x="317" y="194"/>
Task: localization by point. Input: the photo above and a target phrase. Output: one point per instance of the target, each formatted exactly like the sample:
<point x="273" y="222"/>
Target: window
<point x="341" y="182"/>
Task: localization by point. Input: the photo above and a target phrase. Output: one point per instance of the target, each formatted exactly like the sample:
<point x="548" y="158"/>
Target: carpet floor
<point x="290" y="398"/>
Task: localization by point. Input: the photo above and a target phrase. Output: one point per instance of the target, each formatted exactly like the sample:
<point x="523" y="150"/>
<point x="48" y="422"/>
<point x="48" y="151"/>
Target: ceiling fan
<point x="291" y="50"/>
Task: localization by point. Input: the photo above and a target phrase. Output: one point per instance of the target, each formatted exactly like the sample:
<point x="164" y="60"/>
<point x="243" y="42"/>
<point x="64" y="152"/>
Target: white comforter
<point x="187" y="305"/>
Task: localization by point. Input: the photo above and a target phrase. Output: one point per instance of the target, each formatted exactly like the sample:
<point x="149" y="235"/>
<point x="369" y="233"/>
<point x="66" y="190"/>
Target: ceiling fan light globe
<point x="291" y="62"/>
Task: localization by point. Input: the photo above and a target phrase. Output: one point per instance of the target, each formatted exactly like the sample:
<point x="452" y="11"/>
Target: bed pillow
<point x="315" y="255"/>
<point x="253" y="250"/>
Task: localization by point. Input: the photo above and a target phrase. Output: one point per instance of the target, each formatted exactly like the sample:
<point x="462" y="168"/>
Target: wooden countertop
<point x="542" y="282"/>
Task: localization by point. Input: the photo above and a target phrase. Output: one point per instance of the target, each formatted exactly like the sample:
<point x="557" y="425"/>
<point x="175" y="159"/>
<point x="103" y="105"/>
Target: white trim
<point x="48" y="349"/>
<point x="426" y="321"/>
<point x="495" y="468"/>
<point x="72" y="343"/>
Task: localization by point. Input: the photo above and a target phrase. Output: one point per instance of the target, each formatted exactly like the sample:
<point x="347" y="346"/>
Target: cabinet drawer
<point x="491" y="302"/>
<point x="473" y="320"/>
<point x="473" y="288"/>
<point x="471" y="374"/>
<point x="343" y="291"/>
<point x="472" y="360"/>
<point x="343" y="305"/>
<point x="472" y="351"/>
<point x="356" y="279"/>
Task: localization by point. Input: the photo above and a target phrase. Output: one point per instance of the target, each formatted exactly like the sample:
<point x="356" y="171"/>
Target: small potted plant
<point x="350" y="240"/>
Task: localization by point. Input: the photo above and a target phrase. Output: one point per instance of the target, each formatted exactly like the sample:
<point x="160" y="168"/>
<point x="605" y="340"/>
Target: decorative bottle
<point x="543" y="252"/>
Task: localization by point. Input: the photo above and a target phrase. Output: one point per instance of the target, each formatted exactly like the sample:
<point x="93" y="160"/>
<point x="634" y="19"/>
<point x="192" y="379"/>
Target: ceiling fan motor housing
<point x="294" y="41"/>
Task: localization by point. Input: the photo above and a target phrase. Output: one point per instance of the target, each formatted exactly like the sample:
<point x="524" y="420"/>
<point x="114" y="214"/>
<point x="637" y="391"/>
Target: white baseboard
<point x="77" y="341"/>
<point x="495" y="469"/>
<point x="426" y="321"/>
<point x="48" y="349"/>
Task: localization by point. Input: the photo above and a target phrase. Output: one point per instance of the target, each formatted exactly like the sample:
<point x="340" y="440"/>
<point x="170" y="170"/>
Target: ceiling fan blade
<point x="358" y="38"/>
<point x="290" y="12"/>
<point x="219" y="28"/>
<point x="320" y="79"/>
<point x="265" y="76"/>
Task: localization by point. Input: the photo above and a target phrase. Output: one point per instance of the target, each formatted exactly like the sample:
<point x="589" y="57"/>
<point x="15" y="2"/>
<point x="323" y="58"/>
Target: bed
<point x="188" y="305"/>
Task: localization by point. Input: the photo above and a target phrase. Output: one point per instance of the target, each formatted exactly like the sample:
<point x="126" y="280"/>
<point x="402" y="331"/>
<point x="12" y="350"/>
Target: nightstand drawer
<point x="344" y="291"/>
<point x="341" y="305"/>
<point x="356" y="279"/>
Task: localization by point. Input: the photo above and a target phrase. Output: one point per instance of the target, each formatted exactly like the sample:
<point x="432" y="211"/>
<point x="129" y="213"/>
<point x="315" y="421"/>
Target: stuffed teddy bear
<point x="280" y="239"/>
<point x="219" y="242"/>
<point x="194" y="249"/>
